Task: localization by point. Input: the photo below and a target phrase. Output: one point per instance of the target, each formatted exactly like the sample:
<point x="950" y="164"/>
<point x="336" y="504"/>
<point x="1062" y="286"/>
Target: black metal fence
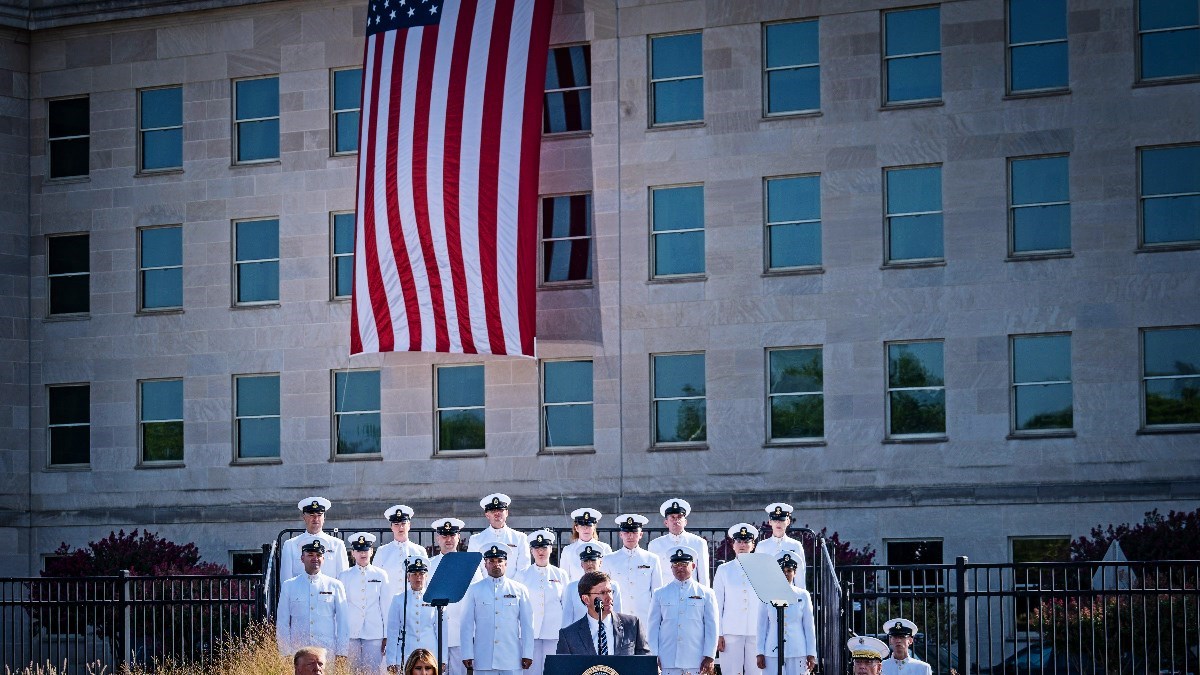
<point x="74" y="624"/>
<point x="1079" y="618"/>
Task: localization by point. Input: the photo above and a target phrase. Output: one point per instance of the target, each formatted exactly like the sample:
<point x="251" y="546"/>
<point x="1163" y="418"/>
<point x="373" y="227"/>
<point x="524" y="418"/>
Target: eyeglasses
<point x="608" y="592"/>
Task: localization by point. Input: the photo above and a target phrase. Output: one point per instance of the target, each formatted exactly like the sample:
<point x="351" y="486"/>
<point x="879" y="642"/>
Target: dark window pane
<point x="1039" y="67"/>
<point x="793" y="199"/>
<point x="356" y="390"/>
<point x="569" y="67"/>
<point x="162" y="108"/>
<point x="162" y="442"/>
<point x="916" y="364"/>
<point x="257" y="98"/>
<point x="796" y="371"/>
<point x="347" y="132"/>
<point x="914" y="190"/>
<point x="918" y="412"/>
<point x="678" y="375"/>
<point x="69" y="295"/>
<point x="1041" y="550"/>
<point x="1043" y="406"/>
<point x="675" y="55"/>
<point x="162" y="246"/>
<point x="358" y="434"/>
<point x="913" y="31"/>
<point x="345" y="276"/>
<point x="914" y="78"/>
<point x="258" y="282"/>
<point x="162" y="288"/>
<point x="460" y="387"/>
<point x="69" y="158"/>
<point x="67" y="254"/>
<point x="568" y="381"/>
<point x="1172" y="352"/>
<point x="1171" y="219"/>
<point x="1040" y="180"/>
<point x="678" y="101"/>
<point x="567" y="111"/>
<point x="569" y="426"/>
<point x="258" y="140"/>
<point x="1170" y="170"/>
<point x="1171" y="54"/>
<point x="1036" y="20"/>
<point x="680" y="421"/>
<point x="258" y="396"/>
<point x="343" y="233"/>
<point x="70" y="445"/>
<point x="69" y="405"/>
<point x="1175" y="401"/>
<point x="162" y="400"/>
<point x="247" y="563"/>
<point x="792" y="43"/>
<point x="1042" y="228"/>
<point x="914" y="553"/>
<point x="795" y="245"/>
<point x="258" y="437"/>
<point x="678" y="208"/>
<point x="798" y="416"/>
<point x="915" y="237"/>
<point x="567" y="216"/>
<point x="679" y="253"/>
<point x="67" y="117"/>
<point x="257" y="240"/>
<point x="162" y="149"/>
<point x="1154" y="14"/>
<point x="347" y="88"/>
<point x="460" y="430"/>
<point x="794" y="90"/>
<point x="569" y="260"/>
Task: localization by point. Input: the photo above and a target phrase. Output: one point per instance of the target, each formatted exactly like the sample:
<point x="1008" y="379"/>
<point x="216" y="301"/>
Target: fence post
<point x="126" y="622"/>
<point x="264" y="583"/>
<point x="960" y="596"/>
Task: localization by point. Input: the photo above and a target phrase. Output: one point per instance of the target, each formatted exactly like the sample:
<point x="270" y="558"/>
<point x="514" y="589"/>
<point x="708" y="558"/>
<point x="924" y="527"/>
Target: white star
<point x="411" y="11"/>
<point x="433" y="10"/>
<point x="377" y="21"/>
<point x="393" y="15"/>
<point x="385" y="2"/>
<point x="403" y="3"/>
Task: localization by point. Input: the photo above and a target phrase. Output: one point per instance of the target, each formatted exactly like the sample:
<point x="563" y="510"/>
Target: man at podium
<point x="602" y="632"/>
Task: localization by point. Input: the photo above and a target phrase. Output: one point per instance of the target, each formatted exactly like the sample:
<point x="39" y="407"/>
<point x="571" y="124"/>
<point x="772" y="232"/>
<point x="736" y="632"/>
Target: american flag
<point x="446" y="232"/>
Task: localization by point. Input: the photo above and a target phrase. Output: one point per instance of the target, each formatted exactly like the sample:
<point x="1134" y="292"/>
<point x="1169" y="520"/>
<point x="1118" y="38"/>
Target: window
<point x="566" y="238"/>
<point x="912" y="55"/>
<point x="916" y="397"/>
<point x="246" y="562"/>
<point x="795" y="394"/>
<point x="256" y="261"/>
<point x="793" y="222"/>
<point x="791" y="68"/>
<point x="256" y="416"/>
<point x="914" y="214"/>
<point x="160" y="268"/>
<point x="677" y="383"/>
<point x="567" y="105"/>
<point x="69" y="419"/>
<point x="567" y="404"/>
<point x="460" y="413"/>
<point x="677" y="230"/>
<point x="1039" y="205"/>
<point x="356" y="412"/>
<point x="1041" y="578"/>
<point x="1037" y="45"/>
<point x="1170" y="195"/>
<point x="921" y="552"/>
<point x="1041" y="383"/>
<point x="161" y="410"/>
<point x="160" y="129"/>
<point x="341" y="271"/>
<point x="346" y="106"/>
<point x="67" y="272"/>
<point x="256" y="120"/>
<point x="1171" y="377"/>
<point x="68" y="131"/>
<point x="1168" y="39"/>
<point x="676" y="79"/>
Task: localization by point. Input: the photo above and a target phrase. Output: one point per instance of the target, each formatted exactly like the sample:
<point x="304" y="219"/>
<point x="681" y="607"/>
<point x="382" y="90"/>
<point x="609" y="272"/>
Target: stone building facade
<point x="933" y="271"/>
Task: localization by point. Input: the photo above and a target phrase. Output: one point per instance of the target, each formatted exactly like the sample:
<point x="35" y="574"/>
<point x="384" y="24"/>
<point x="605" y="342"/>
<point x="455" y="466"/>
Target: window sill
<point x="1180" y="79"/>
<point x="1040" y="93"/>
<point x="67" y="468"/>
<point x="66" y="180"/>
<point x="340" y="300"/>
<point x="678" y="447"/>
<point x="915" y="440"/>
<point x="169" y="464"/>
<point x="799" y="114"/>
<point x="582" y="133"/>
<point x="161" y="172"/>
<point x="567" y="285"/>
<point x="906" y="105"/>
<point x="579" y="450"/>
<point x="256" y="305"/>
<point x="1027" y="257"/>
<point x="1155" y="431"/>
<point x="1034" y="435"/>
<point x="458" y="454"/>
<point x="916" y="264"/>
<point x="256" y="461"/>
<point x="695" y="124"/>
<point x="263" y="162"/>
<point x="159" y="312"/>
<point x="336" y="155"/>
<point x="56" y="318"/>
<point x="364" y="457"/>
<point x="793" y="271"/>
<point x="1160" y="248"/>
<point x="812" y="443"/>
<point x="681" y="279"/>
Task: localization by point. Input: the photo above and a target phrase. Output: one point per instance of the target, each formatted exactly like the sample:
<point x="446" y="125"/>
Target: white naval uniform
<point x="573" y="607"/>
<point x="663" y="547"/>
<point x="366" y="604"/>
<point x="413" y="630"/>
<point x="452" y="618"/>
<point x="568" y="558"/>
<point x="312" y="611"/>
<point x="774" y="545"/>
<point x="799" y="636"/>
<point x="512" y="541"/>
<point x="639" y="574"/>
<point x="910" y="666"/>
<point x="392" y="558"/>
<point x="738" y="607"/>
<point x="497" y="626"/>
<point x="335" y="562"/>
<point x="683" y="626"/>
<point x="546" y="592"/>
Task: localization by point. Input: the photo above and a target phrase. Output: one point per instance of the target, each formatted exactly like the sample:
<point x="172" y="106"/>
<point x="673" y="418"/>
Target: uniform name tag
<point x="511" y="545"/>
<point x="510" y="596"/>
<point x="695" y="597"/>
<point x="643" y="567"/>
<point x="325" y="593"/>
<point x="374" y="581"/>
<point x="554" y="581"/>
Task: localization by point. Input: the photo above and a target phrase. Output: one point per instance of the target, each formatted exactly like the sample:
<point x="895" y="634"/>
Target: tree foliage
<point x="142" y="553"/>
<point x="1175" y="536"/>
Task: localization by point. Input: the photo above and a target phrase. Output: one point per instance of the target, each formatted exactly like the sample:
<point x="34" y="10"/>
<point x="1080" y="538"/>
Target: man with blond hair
<point x="309" y="661"/>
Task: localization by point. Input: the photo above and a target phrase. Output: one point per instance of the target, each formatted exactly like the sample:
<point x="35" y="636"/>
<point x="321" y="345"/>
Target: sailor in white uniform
<point x="312" y="607"/>
<point x="495" y="509"/>
<point x="867" y="654"/>
<point x="738" y="606"/>
<point x="367" y="599"/>
<point x="412" y="622"/>
<point x="583" y="528"/>
<point x="684" y="626"/>
<point x="497" y="623"/>
<point x="799" y="629"/>
<point x="779" y="516"/>
<point x="591" y="559"/>
<point x="636" y="570"/>
<point x="393" y="556"/>
<point x="336" y="562"/>
<point x="446" y="535"/>
<point x="900" y="634"/>
<point x="546" y="584"/>
<point x="675" y="514"/>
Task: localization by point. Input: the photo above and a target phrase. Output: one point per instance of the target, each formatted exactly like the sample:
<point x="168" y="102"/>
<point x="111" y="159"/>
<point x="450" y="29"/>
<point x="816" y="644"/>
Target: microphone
<point x="599" y="607"/>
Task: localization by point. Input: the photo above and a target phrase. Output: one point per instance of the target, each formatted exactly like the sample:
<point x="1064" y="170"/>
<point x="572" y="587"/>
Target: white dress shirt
<point x="664" y="545"/>
<point x="336" y="560"/>
<point x="412" y="630"/>
<point x="546" y="592"/>
<point x="312" y="611"/>
<point x="594" y="626"/>
<point x="367" y="601"/>
<point x="683" y="624"/>
<point x="497" y="625"/>
<point x="736" y="600"/>
<point x="639" y="574"/>
<point x="910" y="666"/>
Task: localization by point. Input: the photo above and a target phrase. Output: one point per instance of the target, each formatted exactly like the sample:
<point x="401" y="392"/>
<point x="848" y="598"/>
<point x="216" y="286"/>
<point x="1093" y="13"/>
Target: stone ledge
<point x="40" y="14"/>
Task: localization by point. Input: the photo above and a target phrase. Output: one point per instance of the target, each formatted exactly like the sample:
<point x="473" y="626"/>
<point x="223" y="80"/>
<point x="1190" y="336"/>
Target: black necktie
<point x="602" y="638"/>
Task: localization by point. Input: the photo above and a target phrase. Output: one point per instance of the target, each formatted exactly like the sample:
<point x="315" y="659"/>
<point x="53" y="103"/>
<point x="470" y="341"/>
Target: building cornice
<point x="41" y="14"/>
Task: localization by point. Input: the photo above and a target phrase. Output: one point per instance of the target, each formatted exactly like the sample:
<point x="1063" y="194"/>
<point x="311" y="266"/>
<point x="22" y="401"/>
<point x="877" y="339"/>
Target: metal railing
<point x="76" y="623"/>
<point x="1077" y="618"/>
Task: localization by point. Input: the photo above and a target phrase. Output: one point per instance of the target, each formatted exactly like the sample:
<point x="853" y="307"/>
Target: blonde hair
<point x="318" y="652"/>
<point x="418" y="656"/>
